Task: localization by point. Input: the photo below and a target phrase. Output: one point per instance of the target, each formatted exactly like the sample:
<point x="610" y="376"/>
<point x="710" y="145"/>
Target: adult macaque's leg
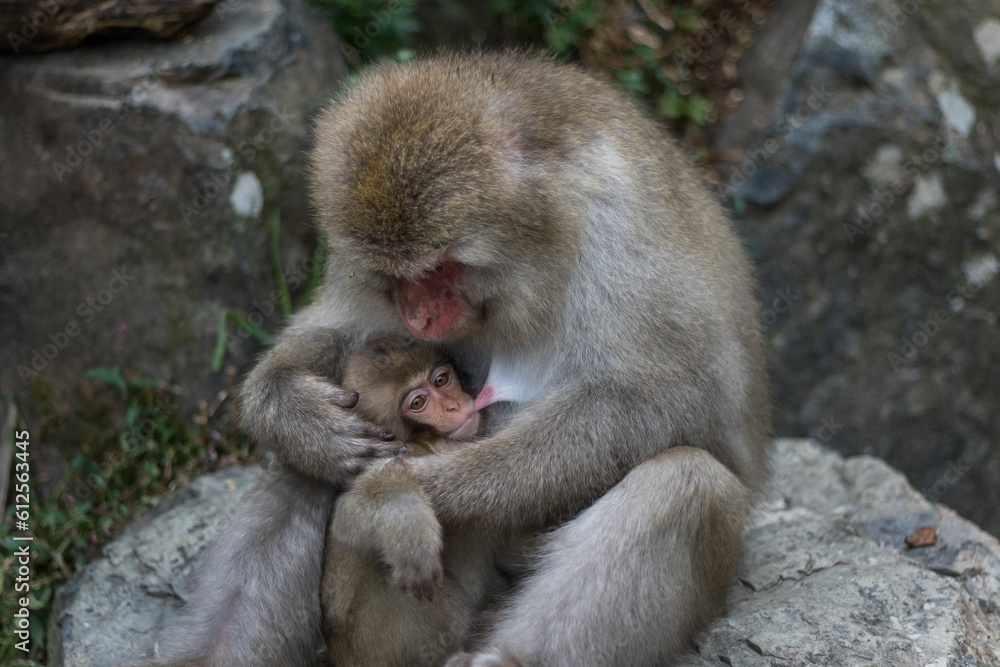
<point x="630" y="580"/>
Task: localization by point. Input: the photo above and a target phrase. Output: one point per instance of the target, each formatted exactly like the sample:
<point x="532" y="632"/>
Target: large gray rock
<point x="827" y="578"/>
<point x="137" y="180"/>
<point x="871" y="144"/>
<point x="109" y="613"/>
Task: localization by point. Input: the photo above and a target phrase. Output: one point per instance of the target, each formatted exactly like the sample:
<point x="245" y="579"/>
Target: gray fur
<point x="612" y="297"/>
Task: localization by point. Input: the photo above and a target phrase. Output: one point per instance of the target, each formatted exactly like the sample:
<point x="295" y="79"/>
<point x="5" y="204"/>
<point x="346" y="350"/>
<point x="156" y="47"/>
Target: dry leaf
<point x="925" y="536"/>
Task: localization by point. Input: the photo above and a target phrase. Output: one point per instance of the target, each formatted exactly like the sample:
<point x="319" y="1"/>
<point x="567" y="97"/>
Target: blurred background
<point x="155" y="233"/>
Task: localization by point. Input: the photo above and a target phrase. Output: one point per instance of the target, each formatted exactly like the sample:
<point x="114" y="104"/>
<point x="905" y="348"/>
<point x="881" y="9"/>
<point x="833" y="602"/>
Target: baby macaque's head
<point x="408" y="386"/>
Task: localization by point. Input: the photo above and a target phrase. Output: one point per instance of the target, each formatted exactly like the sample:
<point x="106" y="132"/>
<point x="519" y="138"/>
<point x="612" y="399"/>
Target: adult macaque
<point x="526" y="217"/>
<point x="386" y="518"/>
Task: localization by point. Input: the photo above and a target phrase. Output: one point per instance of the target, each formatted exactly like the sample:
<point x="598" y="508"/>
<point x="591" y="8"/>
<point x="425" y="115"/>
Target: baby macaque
<point x="411" y="389"/>
<point x="384" y="537"/>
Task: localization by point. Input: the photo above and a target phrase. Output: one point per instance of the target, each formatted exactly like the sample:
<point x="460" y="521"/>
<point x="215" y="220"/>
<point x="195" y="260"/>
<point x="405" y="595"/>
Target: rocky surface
<point x="42" y="25"/>
<point x="868" y="188"/>
<point x="827" y="578"/>
<point x="137" y="183"/>
<point x="109" y="613"/>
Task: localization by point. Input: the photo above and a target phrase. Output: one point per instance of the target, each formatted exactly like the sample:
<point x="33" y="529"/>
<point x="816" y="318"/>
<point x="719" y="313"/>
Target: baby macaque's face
<point x="438" y="402"/>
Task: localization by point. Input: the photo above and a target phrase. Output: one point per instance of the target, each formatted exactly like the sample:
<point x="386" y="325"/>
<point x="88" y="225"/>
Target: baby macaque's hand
<point x="418" y="572"/>
<point x="412" y="534"/>
<point x="387" y="511"/>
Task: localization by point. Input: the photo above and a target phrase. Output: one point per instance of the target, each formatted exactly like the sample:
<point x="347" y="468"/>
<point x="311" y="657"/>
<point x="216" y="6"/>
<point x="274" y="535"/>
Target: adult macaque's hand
<point x="307" y="420"/>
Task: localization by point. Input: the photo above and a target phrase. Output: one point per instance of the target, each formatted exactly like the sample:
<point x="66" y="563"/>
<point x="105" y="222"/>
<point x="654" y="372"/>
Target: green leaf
<point x="219" y="355"/>
<point x="109" y="375"/>
<point x="633" y="80"/>
<point x="145" y="383"/>
<point x="697" y="109"/>
<point x="738" y="205"/>
<point x="672" y="104"/>
<point x="561" y="37"/>
<point x="319" y="261"/>
<point x="132" y="415"/>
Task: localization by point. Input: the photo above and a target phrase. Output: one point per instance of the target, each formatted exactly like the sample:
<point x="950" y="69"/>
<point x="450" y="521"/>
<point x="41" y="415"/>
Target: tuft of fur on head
<point x="411" y="158"/>
<point x="440" y="160"/>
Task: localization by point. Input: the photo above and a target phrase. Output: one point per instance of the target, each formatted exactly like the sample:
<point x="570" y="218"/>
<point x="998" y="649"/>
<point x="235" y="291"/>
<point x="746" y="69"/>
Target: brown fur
<point x="380" y="372"/>
<point x="383" y="536"/>
<point x="608" y="297"/>
<point x="383" y="544"/>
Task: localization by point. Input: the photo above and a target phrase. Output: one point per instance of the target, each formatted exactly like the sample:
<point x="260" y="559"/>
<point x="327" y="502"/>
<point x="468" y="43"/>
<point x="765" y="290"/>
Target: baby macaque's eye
<point x="442" y="378"/>
<point x="418" y="402"/>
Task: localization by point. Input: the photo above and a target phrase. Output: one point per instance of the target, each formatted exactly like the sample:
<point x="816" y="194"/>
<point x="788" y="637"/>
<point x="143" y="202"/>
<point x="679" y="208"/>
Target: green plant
<point x="284" y="298"/>
<point x="678" y="56"/>
<point x="373" y="29"/>
<point x="642" y="44"/>
<point x="147" y="452"/>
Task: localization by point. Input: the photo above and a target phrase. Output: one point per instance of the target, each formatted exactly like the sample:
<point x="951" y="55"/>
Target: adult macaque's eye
<point x="418" y="402"/>
<point x="441" y="379"/>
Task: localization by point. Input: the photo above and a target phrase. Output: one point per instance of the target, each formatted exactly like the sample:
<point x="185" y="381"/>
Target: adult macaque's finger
<point x="344" y="399"/>
<point x="377" y="432"/>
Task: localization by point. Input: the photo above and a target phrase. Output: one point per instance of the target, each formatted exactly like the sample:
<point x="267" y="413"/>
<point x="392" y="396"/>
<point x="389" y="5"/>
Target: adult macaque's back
<point x="530" y="220"/>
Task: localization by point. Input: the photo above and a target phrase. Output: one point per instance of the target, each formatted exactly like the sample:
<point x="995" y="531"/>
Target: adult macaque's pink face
<point x="429" y="305"/>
